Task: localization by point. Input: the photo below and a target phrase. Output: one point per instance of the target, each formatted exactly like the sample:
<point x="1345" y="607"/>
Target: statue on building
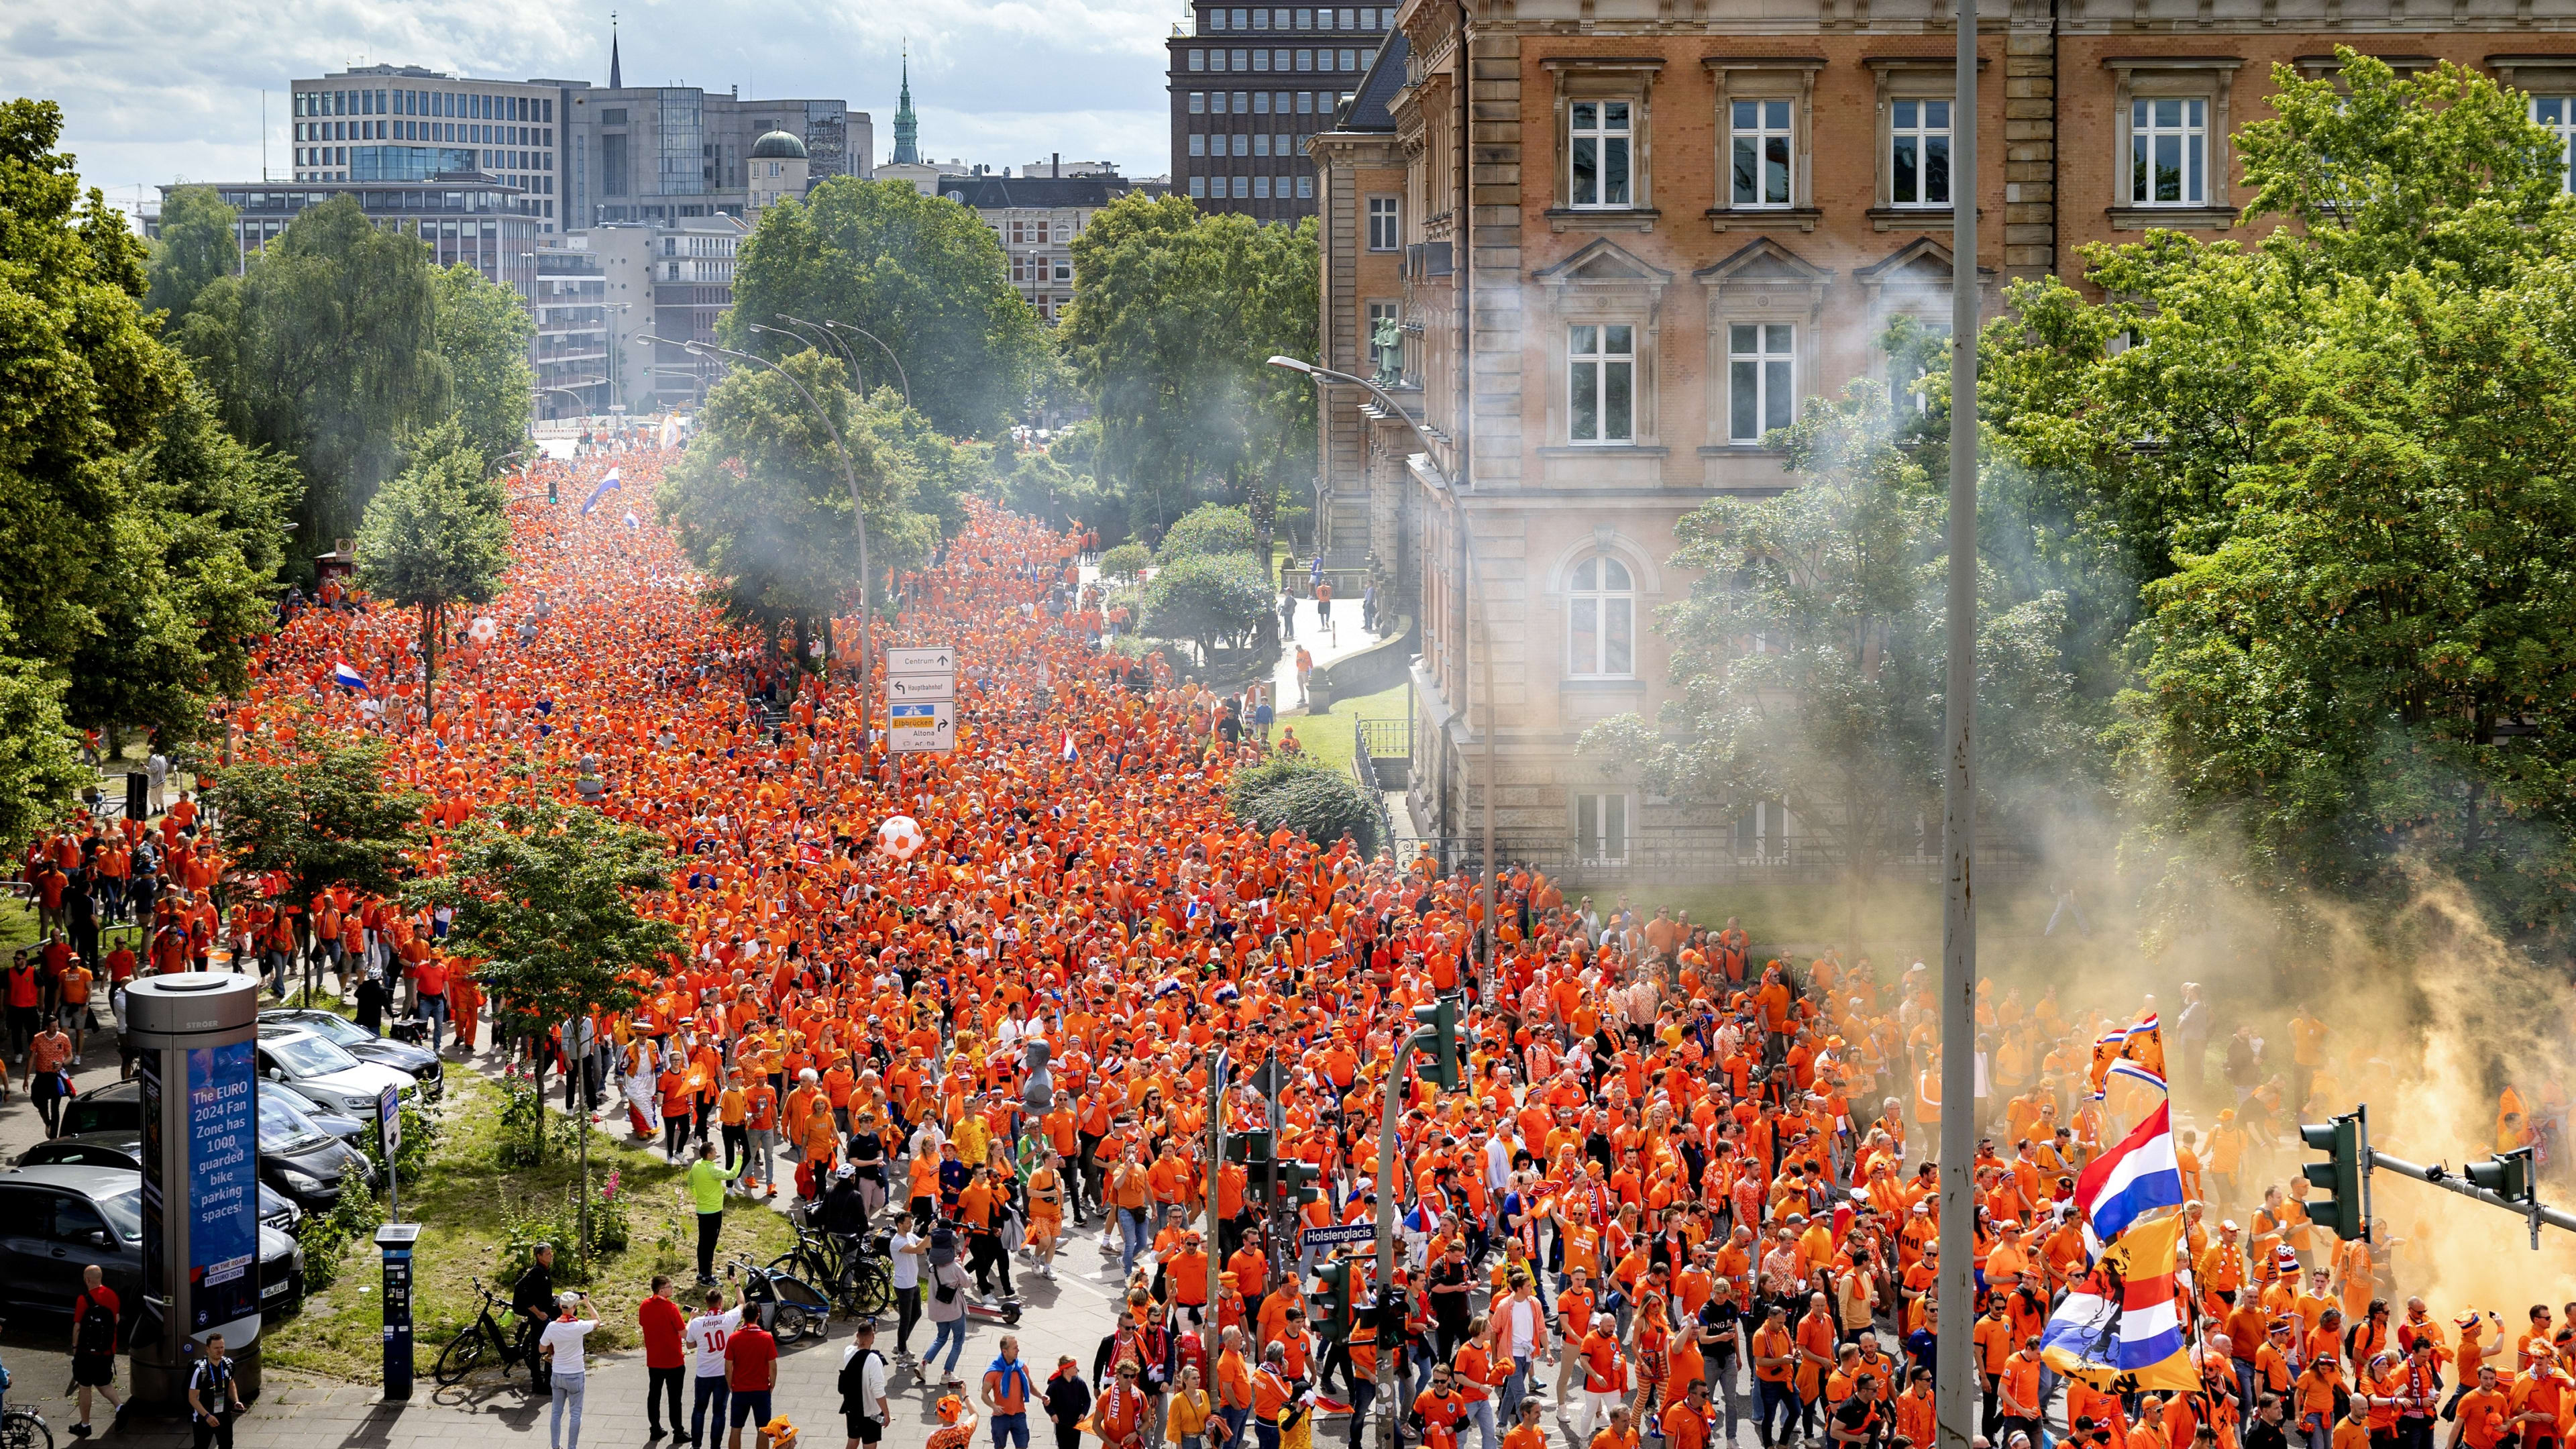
<point x="1387" y="341"/>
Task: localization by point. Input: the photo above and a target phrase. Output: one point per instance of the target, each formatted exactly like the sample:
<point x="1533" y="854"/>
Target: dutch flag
<point x="348" y="678"/>
<point x="606" y="485"/>
<point x="1069" y="753"/>
<point x="2119" y="1326"/>
<point x="2134" y="1178"/>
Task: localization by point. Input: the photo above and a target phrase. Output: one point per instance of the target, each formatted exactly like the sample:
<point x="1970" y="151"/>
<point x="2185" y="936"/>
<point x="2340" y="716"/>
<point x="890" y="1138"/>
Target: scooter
<point x="1002" y="1310"/>
<point x="786" y="1305"/>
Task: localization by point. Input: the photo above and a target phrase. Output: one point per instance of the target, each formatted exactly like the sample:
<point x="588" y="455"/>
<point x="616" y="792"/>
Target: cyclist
<point x="532" y="1303"/>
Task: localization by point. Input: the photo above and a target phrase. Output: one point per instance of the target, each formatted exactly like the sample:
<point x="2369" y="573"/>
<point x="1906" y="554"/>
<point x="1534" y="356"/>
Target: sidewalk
<point x="1347" y="639"/>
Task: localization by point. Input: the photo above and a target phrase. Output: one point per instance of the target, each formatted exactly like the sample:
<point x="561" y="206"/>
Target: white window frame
<point x="1590" y="359"/>
<point x="1384" y="231"/>
<point x="2146" y="133"/>
<point x="1597" y="602"/>
<point x="2559" y="121"/>
<point x="1760" y="137"/>
<point x="1593" y="825"/>
<point x="1923" y="134"/>
<point x="1773" y="373"/>
<point x="1588" y="119"/>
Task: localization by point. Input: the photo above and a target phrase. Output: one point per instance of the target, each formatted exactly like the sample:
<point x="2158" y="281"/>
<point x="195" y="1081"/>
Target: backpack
<point x="97" y="1332"/>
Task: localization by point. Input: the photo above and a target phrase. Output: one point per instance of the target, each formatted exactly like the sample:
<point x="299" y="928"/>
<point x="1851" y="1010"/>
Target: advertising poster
<point x="223" y="1186"/>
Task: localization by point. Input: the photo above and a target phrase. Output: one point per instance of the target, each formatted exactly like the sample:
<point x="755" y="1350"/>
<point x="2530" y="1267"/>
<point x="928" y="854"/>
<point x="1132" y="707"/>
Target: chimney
<point x="1055" y="164"/>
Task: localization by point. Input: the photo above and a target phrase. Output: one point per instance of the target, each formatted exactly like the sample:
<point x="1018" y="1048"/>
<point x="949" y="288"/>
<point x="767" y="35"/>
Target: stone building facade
<point x="1649" y="230"/>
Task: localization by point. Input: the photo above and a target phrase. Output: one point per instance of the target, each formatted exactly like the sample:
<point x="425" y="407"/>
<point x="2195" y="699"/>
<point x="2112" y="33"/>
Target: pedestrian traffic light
<point x="1298" y="1180"/>
<point x="1252" y="1149"/>
<point x="2507" y="1175"/>
<point x="1335" y="1291"/>
<point x="1437" y="1039"/>
<point x="2339" y="1175"/>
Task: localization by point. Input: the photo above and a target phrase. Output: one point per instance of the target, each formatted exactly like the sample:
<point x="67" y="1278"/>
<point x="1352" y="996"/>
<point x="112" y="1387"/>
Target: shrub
<point x="1125" y="561"/>
<point x="1320" y="804"/>
<point x="1209" y="530"/>
<point x="1207" y="601"/>
<point x="326" y="1236"/>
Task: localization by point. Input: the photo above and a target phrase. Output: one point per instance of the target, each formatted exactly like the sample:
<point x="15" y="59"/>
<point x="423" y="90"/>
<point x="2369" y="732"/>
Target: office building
<point x="1250" y="87"/>
<point x="661" y="285"/>
<point x="571" y="354"/>
<point x="403" y="123"/>
<point x="467" y="217"/>
<point x="1687" y="221"/>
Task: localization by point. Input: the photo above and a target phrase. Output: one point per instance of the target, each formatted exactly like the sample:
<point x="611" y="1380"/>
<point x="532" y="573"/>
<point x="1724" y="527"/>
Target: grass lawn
<point x="1326" y="737"/>
<point x="471" y="1208"/>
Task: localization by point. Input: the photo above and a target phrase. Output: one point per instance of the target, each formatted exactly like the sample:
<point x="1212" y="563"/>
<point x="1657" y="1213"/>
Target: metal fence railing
<point x="1298" y="580"/>
<point x="1364" y="765"/>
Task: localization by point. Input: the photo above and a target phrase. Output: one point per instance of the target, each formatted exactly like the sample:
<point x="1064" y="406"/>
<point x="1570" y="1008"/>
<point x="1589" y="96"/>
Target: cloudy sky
<point x="159" y="90"/>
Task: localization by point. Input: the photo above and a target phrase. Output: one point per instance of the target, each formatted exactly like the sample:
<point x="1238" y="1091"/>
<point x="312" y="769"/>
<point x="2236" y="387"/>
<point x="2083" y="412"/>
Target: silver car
<point x="324" y="1074"/>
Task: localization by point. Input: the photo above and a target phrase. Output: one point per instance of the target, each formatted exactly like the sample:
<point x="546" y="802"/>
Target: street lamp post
<point x="829" y="340"/>
<point x="829" y="346"/>
<point x="827" y="324"/>
<point x="858" y="514"/>
<point x="1485" y="656"/>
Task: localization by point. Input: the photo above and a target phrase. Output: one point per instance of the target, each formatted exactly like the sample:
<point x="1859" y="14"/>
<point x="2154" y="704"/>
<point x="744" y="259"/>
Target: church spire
<point x="907" y="127"/>
<point x="616" y="77"/>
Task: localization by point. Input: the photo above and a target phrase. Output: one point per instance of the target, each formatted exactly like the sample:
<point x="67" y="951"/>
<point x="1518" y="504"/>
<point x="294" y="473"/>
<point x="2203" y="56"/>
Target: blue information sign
<point x="223" y="1186"/>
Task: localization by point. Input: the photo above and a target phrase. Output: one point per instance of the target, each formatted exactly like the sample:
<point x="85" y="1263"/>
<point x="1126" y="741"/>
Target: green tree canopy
<point x="325" y="349"/>
<point x="197" y="245"/>
<point x="1213" y="530"/>
<point x="434" y="537"/>
<point x="1207" y="601"/>
<point x="921" y="273"/>
<point x="761" y="502"/>
<point x="318" y="809"/>
<point x="1175" y="316"/>
<point x="482" y="334"/>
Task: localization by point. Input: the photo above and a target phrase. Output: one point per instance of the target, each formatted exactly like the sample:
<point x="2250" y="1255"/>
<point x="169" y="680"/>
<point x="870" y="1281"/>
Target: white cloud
<point x="157" y="90"/>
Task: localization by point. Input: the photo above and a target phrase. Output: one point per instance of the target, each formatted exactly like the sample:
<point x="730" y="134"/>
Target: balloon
<point x="900" y="836"/>
<point x="482" y="630"/>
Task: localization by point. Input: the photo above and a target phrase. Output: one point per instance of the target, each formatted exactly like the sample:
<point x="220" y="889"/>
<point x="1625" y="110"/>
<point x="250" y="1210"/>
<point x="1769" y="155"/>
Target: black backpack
<point x="97" y="1332"/>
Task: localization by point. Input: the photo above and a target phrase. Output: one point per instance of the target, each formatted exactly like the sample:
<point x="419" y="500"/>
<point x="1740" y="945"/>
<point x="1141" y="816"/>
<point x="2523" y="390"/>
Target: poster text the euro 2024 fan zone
<point x="223" y="1186"/>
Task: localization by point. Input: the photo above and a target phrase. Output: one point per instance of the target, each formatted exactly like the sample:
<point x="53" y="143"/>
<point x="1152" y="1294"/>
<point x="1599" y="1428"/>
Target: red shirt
<point x="663" y="1323"/>
<point x="751" y="1360"/>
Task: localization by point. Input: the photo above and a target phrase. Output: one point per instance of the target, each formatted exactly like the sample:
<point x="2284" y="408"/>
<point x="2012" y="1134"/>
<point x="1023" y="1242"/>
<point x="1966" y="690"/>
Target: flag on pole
<point x="348" y="678"/>
<point x="606" y="484"/>
<point x="2138" y="1175"/>
<point x="2119" y="1328"/>
<point x="1070" y="752"/>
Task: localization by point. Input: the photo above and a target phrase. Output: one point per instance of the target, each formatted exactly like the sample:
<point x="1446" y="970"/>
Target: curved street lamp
<point x="827" y="325"/>
<point x="858" y="510"/>
<point x="831" y="344"/>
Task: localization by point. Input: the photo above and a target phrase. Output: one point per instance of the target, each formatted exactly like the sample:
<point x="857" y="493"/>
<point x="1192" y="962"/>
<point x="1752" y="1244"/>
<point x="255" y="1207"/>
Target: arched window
<point x="1601" y="620"/>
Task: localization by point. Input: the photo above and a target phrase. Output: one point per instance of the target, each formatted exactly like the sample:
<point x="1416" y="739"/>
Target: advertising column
<point x="196" y="1048"/>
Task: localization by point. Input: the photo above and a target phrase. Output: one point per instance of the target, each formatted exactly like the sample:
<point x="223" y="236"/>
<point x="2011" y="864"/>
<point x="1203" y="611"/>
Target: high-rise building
<point x="404" y="123"/>
<point x="1250" y="87"/>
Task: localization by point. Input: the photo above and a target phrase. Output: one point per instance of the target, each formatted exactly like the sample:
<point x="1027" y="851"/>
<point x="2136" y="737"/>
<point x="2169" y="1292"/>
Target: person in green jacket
<point x="707" y="1193"/>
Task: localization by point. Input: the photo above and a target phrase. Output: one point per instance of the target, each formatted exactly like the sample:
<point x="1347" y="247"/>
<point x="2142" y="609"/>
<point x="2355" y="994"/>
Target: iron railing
<point x="1364" y="765"/>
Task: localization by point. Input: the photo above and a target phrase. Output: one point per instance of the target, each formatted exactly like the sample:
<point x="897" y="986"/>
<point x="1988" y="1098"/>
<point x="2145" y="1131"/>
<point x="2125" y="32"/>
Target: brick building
<point x="1675" y="220"/>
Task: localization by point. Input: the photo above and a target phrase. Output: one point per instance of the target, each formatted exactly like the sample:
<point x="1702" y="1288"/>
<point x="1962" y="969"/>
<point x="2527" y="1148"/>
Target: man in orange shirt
<point x="2479" y="1415"/>
<point x="1775" y="1362"/>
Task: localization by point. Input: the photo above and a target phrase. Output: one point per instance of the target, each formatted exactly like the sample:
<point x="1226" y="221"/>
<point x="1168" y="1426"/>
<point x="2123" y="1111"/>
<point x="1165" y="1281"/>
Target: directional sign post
<point x="921" y="693"/>
<point x="1338" y="1234"/>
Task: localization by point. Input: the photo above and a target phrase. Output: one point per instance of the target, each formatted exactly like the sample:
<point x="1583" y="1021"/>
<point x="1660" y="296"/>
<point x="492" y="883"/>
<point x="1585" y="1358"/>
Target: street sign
<point x="925" y="728"/>
<point x="389" y="1120"/>
<point x="921" y="661"/>
<point x="1340" y="1233"/>
<point x="904" y="687"/>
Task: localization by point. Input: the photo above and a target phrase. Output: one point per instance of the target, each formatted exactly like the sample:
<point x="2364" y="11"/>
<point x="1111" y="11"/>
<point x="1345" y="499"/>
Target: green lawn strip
<point x="470" y="1208"/>
<point x="1326" y="737"/>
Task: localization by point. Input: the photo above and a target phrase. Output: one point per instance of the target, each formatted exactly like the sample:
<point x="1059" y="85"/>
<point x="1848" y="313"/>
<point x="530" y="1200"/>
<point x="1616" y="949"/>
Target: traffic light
<point x="2507" y="1175"/>
<point x="1252" y="1148"/>
<point x="1336" y="1293"/>
<point x="2339" y="1175"/>
<point x="1437" y="1039"/>
<point x="1298" y="1180"/>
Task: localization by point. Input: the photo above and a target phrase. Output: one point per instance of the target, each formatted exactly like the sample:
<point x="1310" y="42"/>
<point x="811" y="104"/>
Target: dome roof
<point x="778" y="146"/>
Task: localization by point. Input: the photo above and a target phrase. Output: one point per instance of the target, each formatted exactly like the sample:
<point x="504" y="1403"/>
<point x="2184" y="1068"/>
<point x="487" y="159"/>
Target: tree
<point x="434" y="537"/>
<point x="316" y="807"/>
<point x="325" y="349"/>
<point x="1208" y="601"/>
<point x="544" y="898"/>
<point x="1174" y="319"/>
<point x="1210" y="530"/>
<point x="2314" y="492"/>
<point x="196" y="246"/>
<point x="921" y="273"/>
<point x="1322" y="805"/>
<point x="482" y="334"/>
<point x="1810" y="656"/>
<point x="761" y="502"/>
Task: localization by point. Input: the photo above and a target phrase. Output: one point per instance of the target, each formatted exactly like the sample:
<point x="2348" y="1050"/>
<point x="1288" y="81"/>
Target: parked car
<point x="303" y="1154"/>
<point x="367" y="1046"/>
<point x="118" y="1107"/>
<point x="324" y="1073"/>
<point x="125" y="1150"/>
<point x="57" y="1220"/>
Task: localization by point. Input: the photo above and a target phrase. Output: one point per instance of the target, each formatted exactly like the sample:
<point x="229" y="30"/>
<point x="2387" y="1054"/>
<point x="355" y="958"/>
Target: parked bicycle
<point x="860" y="1277"/>
<point x="487" y="1337"/>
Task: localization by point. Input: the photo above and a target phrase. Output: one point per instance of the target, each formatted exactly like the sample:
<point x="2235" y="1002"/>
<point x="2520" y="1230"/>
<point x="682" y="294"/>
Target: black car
<point x="419" y="1062"/>
<point x="125" y="1150"/>
<point x="55" y="1221"/>
<point x="303" y="1154"/>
